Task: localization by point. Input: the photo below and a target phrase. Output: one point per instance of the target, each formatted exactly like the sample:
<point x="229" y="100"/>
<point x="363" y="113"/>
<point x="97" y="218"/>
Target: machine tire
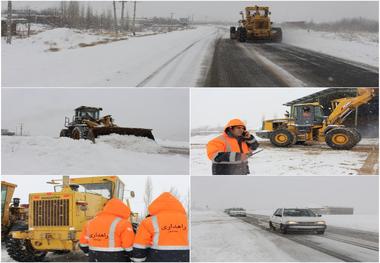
<point x="21" y="249"/>
<point x="357" y="134"/>
<point x="283" y="229"/>
<point x="271" y="226"/>
<point x="276" y="34"/>
<point x="341" y="138"/>
<point x="320" y="232"/>
<point x="64" y="133"/>
<point x="242" y="34"/>
<point x="282" y="138"/>
<point x="232" y="32"/>
<point x="78" y="133"/>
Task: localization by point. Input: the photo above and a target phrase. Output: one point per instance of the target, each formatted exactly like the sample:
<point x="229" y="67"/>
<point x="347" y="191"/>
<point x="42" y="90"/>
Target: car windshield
<point x="103" y="189"/>
<point x="299" y="212"/>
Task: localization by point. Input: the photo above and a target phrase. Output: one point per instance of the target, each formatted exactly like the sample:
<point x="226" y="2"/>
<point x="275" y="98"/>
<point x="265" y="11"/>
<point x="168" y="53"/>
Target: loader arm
<point x="343" y="107"/>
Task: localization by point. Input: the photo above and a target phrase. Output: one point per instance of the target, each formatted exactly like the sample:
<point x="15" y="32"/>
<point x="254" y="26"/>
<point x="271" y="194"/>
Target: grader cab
<point x="56" y="219"/>
<point x="256" y="25"/>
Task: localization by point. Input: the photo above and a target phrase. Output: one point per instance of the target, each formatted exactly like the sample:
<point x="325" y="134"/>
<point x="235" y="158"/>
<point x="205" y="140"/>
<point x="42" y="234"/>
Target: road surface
<point x="344" y="244"/>
<point x="236" y="64"/>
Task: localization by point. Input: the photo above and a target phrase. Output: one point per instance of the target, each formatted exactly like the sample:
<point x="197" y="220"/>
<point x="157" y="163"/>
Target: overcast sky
<point x="43" y="111"/>
<point x="269" y="193"/>
<point x="318" y="11"/>
<point x="161" y="183"/>
<point x="215" y="107"/>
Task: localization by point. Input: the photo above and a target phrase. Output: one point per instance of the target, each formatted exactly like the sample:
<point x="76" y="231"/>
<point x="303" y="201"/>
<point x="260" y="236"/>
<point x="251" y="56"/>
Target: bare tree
<point x="115" y="17"/>
<point x="148" y="195"/>
<point x="122" y="23"/>
<point x="9" y="23"/>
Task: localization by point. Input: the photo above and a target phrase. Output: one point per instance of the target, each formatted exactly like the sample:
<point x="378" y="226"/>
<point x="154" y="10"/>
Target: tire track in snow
<point x="262" y="222"/>
<point x="168" y="62"/>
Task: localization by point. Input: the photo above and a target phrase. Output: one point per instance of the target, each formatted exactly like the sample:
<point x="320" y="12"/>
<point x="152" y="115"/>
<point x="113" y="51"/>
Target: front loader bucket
<point x="139" y="132"/>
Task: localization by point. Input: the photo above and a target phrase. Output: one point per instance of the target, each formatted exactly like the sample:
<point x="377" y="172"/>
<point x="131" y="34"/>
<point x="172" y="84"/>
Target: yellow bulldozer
<point x="12" y="212"/>
<point x="256" y="25"/>
<point x="306" y="123"/>
<point x="56" y="219"/>
<point x="87" y="124"/>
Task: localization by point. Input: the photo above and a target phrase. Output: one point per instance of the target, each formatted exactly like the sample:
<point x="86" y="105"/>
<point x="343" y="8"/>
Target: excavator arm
<point x="343" y="107"/>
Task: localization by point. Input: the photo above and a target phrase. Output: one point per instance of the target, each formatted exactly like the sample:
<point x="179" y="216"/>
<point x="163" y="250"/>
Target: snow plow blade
<point x="139" y="132"/>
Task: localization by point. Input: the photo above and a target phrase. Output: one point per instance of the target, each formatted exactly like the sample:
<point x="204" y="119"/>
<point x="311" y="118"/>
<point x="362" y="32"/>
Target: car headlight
<point x="291" y="222"/>
<point x="321" y="222"/>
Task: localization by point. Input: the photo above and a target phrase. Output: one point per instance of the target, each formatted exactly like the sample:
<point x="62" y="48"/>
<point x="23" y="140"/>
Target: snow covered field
<point x="297" y="160"/>
<point x="138" y="61"/>
<point x="113" y="154"/>
<point x="358" y="47"/>
<point x="218" y="237"/>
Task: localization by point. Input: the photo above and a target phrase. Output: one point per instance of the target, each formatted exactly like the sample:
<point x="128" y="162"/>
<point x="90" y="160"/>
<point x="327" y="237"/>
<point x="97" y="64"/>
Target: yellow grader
<point x="306" y="123"/>
<point x="87" y="124"/>
<point x="56" y="219"/>
<point x="12" y="213"/>
<point x="256" y="25"/>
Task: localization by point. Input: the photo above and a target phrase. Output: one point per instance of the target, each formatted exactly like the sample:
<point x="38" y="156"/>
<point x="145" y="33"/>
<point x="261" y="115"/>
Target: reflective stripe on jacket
<point x="164" y="235"/>
<point x="110" y="230"/>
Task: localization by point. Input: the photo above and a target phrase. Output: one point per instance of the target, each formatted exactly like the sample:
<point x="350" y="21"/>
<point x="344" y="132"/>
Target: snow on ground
<point x="297" y="160"/>
<point x="132" y="62"/>
<point x="218" y="237"/>
<point x="360" y="222"/>
<point x="358" y="47"/>
<point x="112" y="154"/>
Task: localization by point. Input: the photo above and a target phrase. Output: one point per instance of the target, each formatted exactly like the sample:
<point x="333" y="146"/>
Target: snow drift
<point x="112" y="154"/>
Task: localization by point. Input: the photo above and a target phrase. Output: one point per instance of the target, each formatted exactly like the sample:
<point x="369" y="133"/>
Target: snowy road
<point x="342" y="243"/>
<point x="298" y="160"/>
<point x="269" y="65"/>
<point x="175" y="59"/>
<point x="113" y="154"/>
<point x="218" y="237"/>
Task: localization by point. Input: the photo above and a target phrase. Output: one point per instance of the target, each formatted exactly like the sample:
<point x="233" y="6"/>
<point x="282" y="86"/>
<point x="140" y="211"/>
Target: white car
<point x="297" y="219"/>
<point x="237" y="212"/>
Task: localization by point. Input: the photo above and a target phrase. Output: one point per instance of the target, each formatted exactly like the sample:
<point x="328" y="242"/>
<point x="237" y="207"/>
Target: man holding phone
<point x="229" y="151"/>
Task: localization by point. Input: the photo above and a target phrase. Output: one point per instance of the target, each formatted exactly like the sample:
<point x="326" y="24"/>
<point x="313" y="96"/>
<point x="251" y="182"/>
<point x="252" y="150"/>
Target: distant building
<point x="365" y="119"/>
<point x="331" y="210"/>
<point x="6" y="132"/>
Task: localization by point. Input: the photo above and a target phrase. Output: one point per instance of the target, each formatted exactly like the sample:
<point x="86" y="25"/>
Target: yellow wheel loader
<point x="306" y="123"/>
<point x="256" y="25"/>
<point x="56" y="219"/>
<point x="87" y="124"/>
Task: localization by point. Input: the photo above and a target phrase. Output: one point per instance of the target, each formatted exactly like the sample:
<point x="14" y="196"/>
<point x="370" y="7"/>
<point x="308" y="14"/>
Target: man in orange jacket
<point x="163" y="236"/>
<point x="109" y="236"/>
<point x="229" y="151"/>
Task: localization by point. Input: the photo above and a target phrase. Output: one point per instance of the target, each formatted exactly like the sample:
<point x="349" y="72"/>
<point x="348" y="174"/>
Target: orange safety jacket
<point x="163" y="236"/>
<point x="225" y="151"/>
<point x="110" y="230"/>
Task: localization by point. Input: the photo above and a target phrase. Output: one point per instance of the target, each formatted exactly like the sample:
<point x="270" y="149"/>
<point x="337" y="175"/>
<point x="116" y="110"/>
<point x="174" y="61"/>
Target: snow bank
<point x="297" y="160"/>
<point x="132" y="62"/>
<point x="359" y="222"/>
<point x="109" y="155"/>
<point x="358" y="47"/>
<point x="218" y="237"/>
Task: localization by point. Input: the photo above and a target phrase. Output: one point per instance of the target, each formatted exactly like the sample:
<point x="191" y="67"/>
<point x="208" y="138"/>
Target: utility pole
<point x="171" y="21"/>
<point x="134" y="18"/>
<point x="20" y="129"/>
<point x="9" y="23"/>
<point x="115" y="17"/>
<point x="29" y="21"/>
